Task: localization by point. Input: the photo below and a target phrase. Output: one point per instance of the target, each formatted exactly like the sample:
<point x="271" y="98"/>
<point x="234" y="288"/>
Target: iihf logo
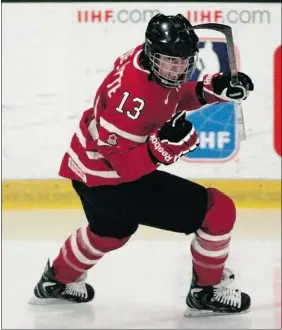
<point x="215" y="123"/>
<point x="212" y="58"/>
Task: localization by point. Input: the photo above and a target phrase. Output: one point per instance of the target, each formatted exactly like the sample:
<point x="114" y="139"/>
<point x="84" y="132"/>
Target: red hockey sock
<point x="210" y="245"/>
<point x="80" y="252"/>
<point x="209" y="256"/>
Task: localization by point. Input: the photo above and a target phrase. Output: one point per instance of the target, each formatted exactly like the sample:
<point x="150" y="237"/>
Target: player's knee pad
<point x="221" y="214"/>
<point x="104" y="243"/>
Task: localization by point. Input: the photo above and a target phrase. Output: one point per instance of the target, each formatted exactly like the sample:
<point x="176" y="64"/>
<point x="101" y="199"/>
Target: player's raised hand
<point x="219" y="88"/>
<point x="176" y="138"/>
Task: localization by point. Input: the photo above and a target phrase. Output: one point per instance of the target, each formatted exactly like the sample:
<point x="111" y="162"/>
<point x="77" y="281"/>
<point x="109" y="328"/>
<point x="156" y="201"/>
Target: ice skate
<point x="49" y="290"/>
<point x="219" y="299"/>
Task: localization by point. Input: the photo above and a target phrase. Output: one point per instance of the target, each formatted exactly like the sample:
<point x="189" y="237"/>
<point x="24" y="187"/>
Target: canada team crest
<point x="112" y="139"/>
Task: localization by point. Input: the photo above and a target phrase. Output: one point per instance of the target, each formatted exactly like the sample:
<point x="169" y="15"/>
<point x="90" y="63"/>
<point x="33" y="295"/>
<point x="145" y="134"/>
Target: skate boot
<point x="218" y="299"/>
<point x="49" y="290"/>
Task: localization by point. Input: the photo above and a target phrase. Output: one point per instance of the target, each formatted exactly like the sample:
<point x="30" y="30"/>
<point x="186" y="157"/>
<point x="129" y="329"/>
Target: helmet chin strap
<point x="164" y="82"/>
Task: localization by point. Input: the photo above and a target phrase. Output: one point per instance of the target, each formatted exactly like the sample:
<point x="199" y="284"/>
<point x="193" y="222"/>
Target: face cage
<point x="172" y="73"/>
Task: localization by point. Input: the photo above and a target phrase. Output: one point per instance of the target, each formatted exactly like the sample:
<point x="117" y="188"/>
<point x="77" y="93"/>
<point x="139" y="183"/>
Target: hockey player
<point x="136" y="124"/>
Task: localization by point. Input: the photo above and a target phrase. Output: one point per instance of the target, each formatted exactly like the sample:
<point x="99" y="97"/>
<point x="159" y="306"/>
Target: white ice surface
<point x="142" y="285"/>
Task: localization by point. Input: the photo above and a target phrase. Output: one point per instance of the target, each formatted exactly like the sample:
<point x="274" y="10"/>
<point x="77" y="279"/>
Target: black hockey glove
<point x="218" y="88"/>
<point x="176" y="138"/>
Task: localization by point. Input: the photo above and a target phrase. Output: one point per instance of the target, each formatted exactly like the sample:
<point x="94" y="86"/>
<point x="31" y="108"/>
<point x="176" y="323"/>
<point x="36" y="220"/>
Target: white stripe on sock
<point x="69" y="263"/>
<point x="214" y="254"/>
<point x="78" y="254"/>
<point x="86" y="241"/>
<point x="212" y="238"/>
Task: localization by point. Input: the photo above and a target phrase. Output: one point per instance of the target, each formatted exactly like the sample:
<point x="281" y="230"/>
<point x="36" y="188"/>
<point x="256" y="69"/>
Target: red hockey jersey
<point x="110" y="144"/>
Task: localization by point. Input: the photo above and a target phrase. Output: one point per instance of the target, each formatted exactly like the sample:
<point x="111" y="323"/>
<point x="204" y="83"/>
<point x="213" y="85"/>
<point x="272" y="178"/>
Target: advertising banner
<point x="55" y="55"/>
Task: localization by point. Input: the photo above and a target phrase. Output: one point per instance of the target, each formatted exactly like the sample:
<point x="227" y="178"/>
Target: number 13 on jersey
<point x="132" y="113"/>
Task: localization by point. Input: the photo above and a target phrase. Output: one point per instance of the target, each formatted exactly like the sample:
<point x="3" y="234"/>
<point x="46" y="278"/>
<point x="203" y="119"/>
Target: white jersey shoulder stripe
<point x="135" y="62"/>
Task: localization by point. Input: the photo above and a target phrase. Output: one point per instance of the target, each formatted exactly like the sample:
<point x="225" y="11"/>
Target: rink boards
<point x="59" y="194"/>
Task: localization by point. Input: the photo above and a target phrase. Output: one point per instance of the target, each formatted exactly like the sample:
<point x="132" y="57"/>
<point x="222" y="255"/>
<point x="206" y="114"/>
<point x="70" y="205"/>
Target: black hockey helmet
<point x="171" y="48"/>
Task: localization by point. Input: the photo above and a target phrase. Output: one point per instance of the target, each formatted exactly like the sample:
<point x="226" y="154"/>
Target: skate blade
<point x="190" y="312"/>
<point x="49" y="301"/>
